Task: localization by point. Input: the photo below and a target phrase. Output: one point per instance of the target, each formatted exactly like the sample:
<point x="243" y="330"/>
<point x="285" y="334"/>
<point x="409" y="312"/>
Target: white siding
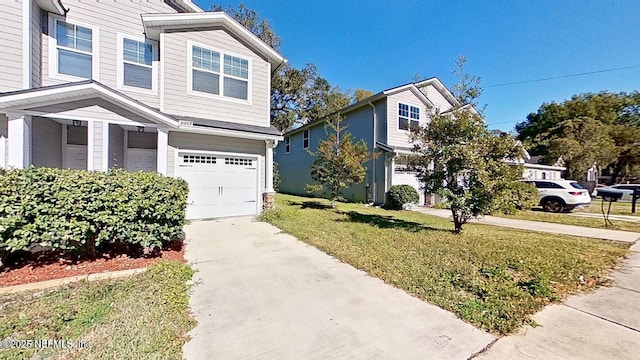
<point x="395" y="136"/>
<point x="178" y="101"/>
<point x="116" y="146"/>
<point x="439" y="101"/>
<point x="46" y="142"/>
<point x="110" y="17"/>
<point x="98" y="143"/>
<point x="11" y="45"/>
<point x="4" y="132"/>
<point x="188" y="141"/>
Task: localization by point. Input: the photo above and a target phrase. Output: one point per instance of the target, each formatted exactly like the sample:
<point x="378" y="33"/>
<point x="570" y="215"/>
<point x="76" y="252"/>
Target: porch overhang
<point x="23" y="100"/>
<point x="395" y="150"/>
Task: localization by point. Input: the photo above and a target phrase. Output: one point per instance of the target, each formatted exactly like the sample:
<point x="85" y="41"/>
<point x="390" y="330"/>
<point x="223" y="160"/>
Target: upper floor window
<point x="408" y="117"/>
<point x="74" y="50"/>
<point x="305" y="139"/>
<point x="136" y="69"/>
<point x="287" y="144"/>
<point x="213" y="72"/>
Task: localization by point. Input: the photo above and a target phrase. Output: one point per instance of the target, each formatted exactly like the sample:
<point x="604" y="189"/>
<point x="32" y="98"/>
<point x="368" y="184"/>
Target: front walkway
<point x="618" y="235"/>
<point x="261" y="294"/>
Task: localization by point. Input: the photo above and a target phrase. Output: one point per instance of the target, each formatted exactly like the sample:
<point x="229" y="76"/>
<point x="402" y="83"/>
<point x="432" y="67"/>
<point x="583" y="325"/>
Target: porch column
<point x="269" y="196"/>
<point x="19" y="127"/>
<point x="161" y="152"/>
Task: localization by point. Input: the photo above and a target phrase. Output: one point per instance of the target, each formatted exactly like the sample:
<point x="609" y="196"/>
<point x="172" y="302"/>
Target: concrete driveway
<point x="265" y="295"/>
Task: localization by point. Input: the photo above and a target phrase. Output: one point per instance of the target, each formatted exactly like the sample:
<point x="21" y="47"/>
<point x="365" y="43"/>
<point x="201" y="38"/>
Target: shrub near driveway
<point x="75" y="210"/>
<point x="494" y="278"/>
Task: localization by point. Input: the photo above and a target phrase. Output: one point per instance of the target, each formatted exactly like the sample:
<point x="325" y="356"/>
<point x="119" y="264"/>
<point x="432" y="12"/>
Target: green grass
<point x="142" y="317"/>
<point x="538" y="215"/>
<point x="617" y="208"/>
<point x="494" y="278"/>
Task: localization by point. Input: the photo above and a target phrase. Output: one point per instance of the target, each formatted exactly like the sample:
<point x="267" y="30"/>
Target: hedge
<point x="400" y="195"/>
<point x="78" y="211"/>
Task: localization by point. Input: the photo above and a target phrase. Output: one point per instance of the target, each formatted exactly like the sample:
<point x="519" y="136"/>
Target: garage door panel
<point x="219" y="186"/>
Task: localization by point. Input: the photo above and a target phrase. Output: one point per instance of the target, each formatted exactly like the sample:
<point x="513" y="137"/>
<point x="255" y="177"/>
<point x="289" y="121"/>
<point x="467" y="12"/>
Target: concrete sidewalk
<point x="625" y="236"/>
<point x="261" y="294"/>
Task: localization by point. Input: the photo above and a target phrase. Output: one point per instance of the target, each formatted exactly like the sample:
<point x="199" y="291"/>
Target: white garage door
<point x="408" y="178"/>
<point x="219" y="185"/>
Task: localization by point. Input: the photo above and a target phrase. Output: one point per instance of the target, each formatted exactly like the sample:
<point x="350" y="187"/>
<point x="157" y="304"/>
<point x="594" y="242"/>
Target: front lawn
<point x="142" y="317"/>
<point x="617" y="208"/>
<point x="491" y="277"/>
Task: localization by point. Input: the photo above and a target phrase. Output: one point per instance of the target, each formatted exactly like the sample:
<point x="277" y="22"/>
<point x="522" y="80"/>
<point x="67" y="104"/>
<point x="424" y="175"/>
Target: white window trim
<point x="308" y="138"/>
<point x="189" y="67"/>
<point x="53" y="50"/>
<point x="287" y="145"/>
<point x="154" y="65"/>
<point x="397" y="116"/>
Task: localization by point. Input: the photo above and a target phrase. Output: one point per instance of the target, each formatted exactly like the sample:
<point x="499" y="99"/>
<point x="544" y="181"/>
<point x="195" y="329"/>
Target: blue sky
<point x="376" y="45"/>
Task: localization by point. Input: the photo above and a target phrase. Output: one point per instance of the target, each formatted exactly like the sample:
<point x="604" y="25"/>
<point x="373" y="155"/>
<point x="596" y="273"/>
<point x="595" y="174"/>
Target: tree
<point x="618" y="116"/>
<point x="339" y="162"/>
<point x="297" y="95"/>
<point x="459" y="159"/>
<point x="360" y="94"/>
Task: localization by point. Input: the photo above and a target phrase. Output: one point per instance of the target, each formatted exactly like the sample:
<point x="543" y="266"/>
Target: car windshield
<point x="576" y="185"/>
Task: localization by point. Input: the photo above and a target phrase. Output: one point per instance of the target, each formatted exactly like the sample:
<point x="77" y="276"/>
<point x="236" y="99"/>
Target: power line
<point x="563" y="76"/>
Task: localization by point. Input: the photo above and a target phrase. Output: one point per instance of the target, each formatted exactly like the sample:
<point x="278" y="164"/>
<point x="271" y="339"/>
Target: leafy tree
<point x="297" y="95"/>
<point x="618" y="116"/>
<point x="467" y="89"/>
<point x="459" y="159"/>
<point x="339" y="162"/>
<point x="361" y="94"/>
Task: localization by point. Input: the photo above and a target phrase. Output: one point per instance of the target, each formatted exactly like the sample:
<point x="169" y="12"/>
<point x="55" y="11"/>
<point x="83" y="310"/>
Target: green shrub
<point x="76" y="210"/>
<point x="400" y="195"/>
<point x="514" y="197"/>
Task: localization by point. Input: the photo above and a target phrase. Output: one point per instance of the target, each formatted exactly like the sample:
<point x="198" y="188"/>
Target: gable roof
<point x="436" y="83"/>
<point x="154" y="24"/>
<point x="69" y="92"/>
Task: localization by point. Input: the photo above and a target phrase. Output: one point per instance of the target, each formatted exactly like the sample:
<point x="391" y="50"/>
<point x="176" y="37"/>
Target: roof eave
<point x="52" y="6"/>
<point x="154" y="24"/>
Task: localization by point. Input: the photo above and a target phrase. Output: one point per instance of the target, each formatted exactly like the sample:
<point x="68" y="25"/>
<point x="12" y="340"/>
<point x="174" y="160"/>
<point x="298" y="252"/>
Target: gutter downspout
<point x="375" y="137"/>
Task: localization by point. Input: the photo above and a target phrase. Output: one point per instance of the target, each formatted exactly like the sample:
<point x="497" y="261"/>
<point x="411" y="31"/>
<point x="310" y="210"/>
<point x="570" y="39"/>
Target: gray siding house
<point x="384" y="121"/>
<point x="141" y="85"/>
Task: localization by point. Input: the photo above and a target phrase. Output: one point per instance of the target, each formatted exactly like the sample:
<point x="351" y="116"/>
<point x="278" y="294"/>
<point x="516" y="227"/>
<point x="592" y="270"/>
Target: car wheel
<point x="553" y="205"/>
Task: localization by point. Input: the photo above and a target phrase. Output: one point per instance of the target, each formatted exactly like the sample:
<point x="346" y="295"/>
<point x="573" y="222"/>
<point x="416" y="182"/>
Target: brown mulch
<point x="26" y="267"/>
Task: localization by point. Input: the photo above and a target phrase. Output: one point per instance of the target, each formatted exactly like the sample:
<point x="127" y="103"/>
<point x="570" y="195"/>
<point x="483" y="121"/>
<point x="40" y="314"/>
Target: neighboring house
<point x="140" y="85"/>
<point x="384" y="121"/>
<point x="533" y="170"/>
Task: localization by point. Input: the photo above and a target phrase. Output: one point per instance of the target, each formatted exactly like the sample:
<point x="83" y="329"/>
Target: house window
<point x="137" y="63"/>
<point x="408" y="117"/>
<point x="216" y="73"/>
<point x="75" y="49"/>
<point x="305" y="139"/>
<point x="287" y="145"/>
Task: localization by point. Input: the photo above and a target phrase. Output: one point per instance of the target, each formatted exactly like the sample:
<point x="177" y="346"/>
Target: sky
<point x="376" y="45"/>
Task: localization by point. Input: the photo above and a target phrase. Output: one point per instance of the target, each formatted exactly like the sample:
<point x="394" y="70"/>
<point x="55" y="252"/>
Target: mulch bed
<point x="27" y="267"/>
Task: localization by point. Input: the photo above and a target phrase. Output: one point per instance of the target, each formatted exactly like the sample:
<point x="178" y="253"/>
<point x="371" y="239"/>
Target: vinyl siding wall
<point x="179" y="141"/>
<point x="111" y="18"/>
<point x="116" y="146"/>
<point x="4" y="133"/>
<point x="98" y="143"/>
<point x="439" y="101"/>
<point x="395" y="136"/>
<point x="36" y="44"/>
<point x="46" y="142"/>
<point x="177" y="67"/>
<point x="11" y="45"/>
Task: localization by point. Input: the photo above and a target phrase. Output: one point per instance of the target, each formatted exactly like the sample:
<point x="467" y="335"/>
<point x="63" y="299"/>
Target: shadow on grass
<point x="310" y="205"/>
<point x="388" y="222"/>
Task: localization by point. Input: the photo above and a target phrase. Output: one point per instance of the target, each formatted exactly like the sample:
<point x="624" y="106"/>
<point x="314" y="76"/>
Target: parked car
<point x="625" y="189"/>
<point x="561" y="195"/>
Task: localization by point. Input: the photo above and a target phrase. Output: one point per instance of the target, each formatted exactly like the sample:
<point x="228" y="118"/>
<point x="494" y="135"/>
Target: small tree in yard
<point x="339" y="161"/>
<point x="468" y="169"/>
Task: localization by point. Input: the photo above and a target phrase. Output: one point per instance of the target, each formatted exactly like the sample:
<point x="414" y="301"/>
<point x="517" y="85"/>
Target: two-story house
<point x="384" y="121"/>
<point x="153" y="85"/>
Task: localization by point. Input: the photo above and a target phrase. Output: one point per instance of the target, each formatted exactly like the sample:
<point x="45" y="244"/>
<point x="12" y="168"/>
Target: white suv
<point x="561" y="195"/>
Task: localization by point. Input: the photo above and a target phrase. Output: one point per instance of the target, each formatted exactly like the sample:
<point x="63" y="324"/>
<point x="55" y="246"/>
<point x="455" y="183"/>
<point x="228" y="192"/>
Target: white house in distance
<point x="533" y="170"/>
<point x="140" y="85"/>
<point x="384" y="121"/>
